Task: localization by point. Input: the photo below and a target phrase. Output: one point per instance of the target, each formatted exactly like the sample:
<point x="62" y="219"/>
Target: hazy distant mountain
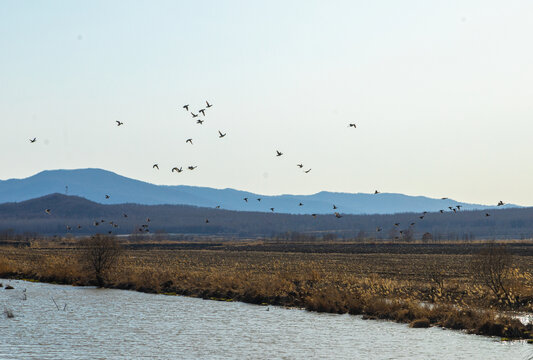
<point x="94" y="184"/>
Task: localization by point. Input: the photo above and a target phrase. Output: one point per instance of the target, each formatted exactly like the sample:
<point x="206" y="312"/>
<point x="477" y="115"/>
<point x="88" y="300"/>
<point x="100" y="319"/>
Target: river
<point x="67" y="322"/>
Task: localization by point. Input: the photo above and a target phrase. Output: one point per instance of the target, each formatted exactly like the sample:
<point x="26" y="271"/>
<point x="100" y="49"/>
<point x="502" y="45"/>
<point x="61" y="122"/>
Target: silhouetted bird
<point x="258" y="199"/>
<point x="300" y="204"/>
<point x="220" y="135"/>
<point x="449" y="207"/>
<point x="307" y="171"/>
<point x="487" y="214"/>
<point x="107" y="196"/>
<point x="378" y="229"/>
<point x="272" y="209"/>
<point x="396" y="224"/>
<point x="412" y="224"/>
<point x="300" y="165"/>
<point x="444" y="198"/>
<point x="189" y="141"/>
<point x="199" y="121"/>
<point x="421" y="217"/>
<point x="337" y="215"/>
<point x="186" y="107"/>
<point x="245" y="199"/>
<point x="376" y="192"/>
<point x="454" y="210"/>
<point x="334" y="207"/>
<point x="68" y="228"/>
<point x="202" y="111"/>
<point x="79" y="226"/>
<point x="279" y="153"/>
<point x="425" y="212"/>
<point x="441" y="211"/>
<point x="147" y="219"/>
<point x="125" y="215"/>
<point x="192" y="167"/>
<point x="156" y="166"/>
<point x="459" y="207"/>
<point x="218" y="206"/>
<point x="96" y="223"/>
<point x="500" y="203"/>
<point x="206" y="221"/>
<point x="353" y="125"/>
<point x="313" y="215"/>
<point x="177" y="169"/>
<point x="48" y="211"/>
<point x="119" y="123"/>
<point x="194" y="115"/>
<point x="33" y="140"/>
<point x="208" y="105"/>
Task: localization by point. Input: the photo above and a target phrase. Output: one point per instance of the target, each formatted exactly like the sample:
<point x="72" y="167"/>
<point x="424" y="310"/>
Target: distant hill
<point x="73" y="211"/>
<point x="93" y="184"/>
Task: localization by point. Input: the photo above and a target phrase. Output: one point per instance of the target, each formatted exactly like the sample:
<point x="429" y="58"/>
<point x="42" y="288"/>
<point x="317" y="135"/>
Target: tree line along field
<point x="389" y="285"/>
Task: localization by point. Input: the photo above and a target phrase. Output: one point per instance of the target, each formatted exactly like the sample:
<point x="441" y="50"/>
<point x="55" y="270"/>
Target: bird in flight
<point x="189" y="141"/>
<point x="245" y="199"/>
<point x="177" y="169"/>
<point x="202" y="111"/>
<point x="353" y="125"/>
<point x="272" y="209"/>
<point x="194" y="115"/>
<point x="220" y="135"/>
<point x="459" y="207"/>
<point x="307" y="171"/>
<point x="313" y="215"/>
<point x="208" y="105"/>
<point x="218" y="206"/>
<point x="279" y="153"/>
<point x="258" y="199"/>
<point x="186" y="107"/>
<point x="444" y="198"/>
<point x="107" y="196"/>
<point x="207" y="221"/>
<point x="441" y="211"/>
<point x="487" y="214"/>
<point x="421" y="217"/>
<point x="155" y="166"/>
<point x="119" y="123"/>
<point x="412" y="224"/>
<point x="33" y="140"/>
<point x="200" y="121"/>
<point x="376" y="192"/>
<point x="378" y="229"/>
<point x="300" y="204"/>
<point x="192" y="167"/>
<point x="337" y="215"/>
<point x="48" y="211"/>
<point x="334" y="207"/>
<point x="300" y="165"/>
<point x="396" y="224"/>
<point x="500" y="203"/>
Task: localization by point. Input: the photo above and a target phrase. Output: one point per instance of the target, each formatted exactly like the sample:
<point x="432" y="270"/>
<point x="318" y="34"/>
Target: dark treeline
<point x="84" y="217"/>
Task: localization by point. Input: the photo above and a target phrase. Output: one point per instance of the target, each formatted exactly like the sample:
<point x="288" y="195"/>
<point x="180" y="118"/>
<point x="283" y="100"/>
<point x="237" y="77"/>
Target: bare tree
<point x="99" y="254"/>
<point x="492" y="267"/>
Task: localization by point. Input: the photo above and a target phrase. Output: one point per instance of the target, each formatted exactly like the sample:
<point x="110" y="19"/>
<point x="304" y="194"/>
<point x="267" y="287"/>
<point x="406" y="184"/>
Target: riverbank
<point x="383" y="286"/>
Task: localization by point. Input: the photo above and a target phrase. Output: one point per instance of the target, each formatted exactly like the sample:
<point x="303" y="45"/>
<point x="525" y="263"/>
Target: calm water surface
<point x="115" y="324"/>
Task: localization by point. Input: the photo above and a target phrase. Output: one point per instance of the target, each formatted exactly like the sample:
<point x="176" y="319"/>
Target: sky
<point x="440" y="92"/>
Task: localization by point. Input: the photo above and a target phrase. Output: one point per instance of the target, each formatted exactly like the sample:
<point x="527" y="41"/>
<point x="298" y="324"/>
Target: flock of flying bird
<point x="145" y="227"/>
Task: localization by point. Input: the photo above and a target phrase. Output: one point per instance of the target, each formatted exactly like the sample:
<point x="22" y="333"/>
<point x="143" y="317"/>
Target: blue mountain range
<point x="94" y="184"/>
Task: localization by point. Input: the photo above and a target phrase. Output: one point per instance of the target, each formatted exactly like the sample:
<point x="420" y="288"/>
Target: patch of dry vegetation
<point x="422" y="290"/>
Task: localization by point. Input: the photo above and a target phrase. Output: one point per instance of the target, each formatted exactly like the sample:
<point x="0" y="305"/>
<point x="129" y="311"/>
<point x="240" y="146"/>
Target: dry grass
<point x="417" y="289"/>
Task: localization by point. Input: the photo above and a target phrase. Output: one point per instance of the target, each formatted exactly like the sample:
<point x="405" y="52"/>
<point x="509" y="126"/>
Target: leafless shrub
<point x="99" y="254"/>
<point x="492" y="267"/>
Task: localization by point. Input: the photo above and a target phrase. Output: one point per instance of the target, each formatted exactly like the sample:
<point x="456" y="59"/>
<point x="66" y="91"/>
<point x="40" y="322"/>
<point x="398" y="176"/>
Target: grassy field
<point x="421" y="284"/>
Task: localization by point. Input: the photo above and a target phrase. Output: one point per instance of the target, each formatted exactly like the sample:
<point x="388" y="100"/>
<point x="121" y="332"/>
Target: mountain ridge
<point x="93" y="184"/>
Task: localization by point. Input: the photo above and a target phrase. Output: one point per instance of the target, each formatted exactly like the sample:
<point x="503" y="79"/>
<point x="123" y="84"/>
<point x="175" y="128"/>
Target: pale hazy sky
<point x="441" y="92"/>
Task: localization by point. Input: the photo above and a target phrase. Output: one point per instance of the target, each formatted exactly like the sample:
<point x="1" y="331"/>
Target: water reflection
<point x="115" y="324"/>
